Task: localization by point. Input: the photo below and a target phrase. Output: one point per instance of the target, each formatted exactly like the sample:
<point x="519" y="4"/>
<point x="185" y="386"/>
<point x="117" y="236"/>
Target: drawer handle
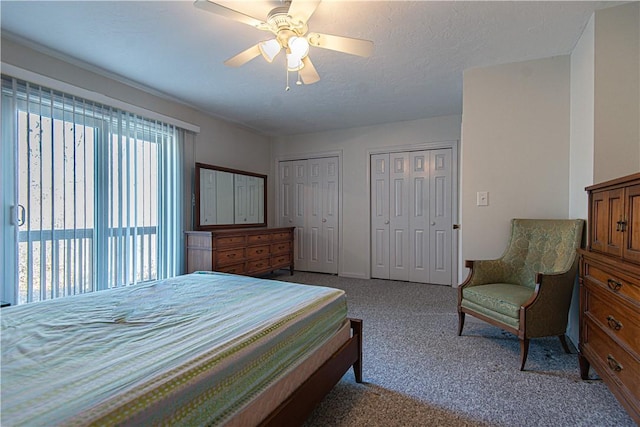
<point x="613" y="364"/>
<point x="621" y="225"/>
<point x="613" y="285"/>
<point x="259" y="251"/>
<point x="231" y="255"/>
<point x="613" y="323"/>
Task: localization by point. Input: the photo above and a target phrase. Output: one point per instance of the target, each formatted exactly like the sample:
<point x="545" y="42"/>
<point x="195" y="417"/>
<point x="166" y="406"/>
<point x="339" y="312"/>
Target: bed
<point x="199" y="349"/>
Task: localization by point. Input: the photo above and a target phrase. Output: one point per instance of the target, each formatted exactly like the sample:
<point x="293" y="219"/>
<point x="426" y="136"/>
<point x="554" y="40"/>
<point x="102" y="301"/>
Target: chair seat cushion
<point x="503" y="298"/>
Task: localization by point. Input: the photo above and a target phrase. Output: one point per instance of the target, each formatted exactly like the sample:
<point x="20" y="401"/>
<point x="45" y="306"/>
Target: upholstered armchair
<point x="528" y="290"/>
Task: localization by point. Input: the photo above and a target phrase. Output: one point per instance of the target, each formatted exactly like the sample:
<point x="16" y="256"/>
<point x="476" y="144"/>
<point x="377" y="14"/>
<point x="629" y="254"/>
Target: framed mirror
<point x="229" y="198"/>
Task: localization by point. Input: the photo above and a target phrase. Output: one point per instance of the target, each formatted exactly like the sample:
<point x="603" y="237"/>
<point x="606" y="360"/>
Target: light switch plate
<point x="482" y="198"/>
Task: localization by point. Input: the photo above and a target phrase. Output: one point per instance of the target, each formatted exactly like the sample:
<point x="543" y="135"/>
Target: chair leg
<point x="460" y="322"/>
<point x="524" y="351"/>
<point x="563" y="341"/>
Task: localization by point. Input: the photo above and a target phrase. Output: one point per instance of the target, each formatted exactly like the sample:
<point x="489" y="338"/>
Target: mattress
<point x="192" y="350"/>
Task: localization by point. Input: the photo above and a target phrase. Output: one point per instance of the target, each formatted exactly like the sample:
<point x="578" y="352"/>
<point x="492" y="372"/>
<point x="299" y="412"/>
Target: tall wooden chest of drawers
<point x="246" y="251"/>
<point x="610" y="290"/>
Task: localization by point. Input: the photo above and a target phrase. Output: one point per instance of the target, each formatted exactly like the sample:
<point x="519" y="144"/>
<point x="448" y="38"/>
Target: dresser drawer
<point x="281" y="248"/>
<point x="258" y="265"/>
<point x="281" y="260"/>
<point x="277" y="237"/>
<point x="230" y="256"/>
<point x="614" y="360"/>
<point x="258" y="252"/>
<point x="252" y="239"/>
<point x="227" y="241"/>
<point x="232" y="269"/>
<point x="617" y="282"/>
<point x="621" y="320"/>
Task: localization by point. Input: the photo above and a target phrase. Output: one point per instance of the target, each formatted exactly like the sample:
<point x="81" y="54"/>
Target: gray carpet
<point x="418" y="372"/>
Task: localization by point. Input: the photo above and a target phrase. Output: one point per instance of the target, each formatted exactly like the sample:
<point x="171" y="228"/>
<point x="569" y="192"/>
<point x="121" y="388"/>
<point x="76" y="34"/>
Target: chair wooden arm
<point x="545" y="313"/>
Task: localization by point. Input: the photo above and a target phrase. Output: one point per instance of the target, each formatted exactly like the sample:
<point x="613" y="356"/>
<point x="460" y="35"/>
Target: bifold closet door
<point x="380" y="216"/>
<point x="322" y="217"/>
<point x="309" y="202"/>
<point x="293" y="182"/>
<point x="411" y="217"/>
<point x="441" y="217"/>
<point x="390" y="216"/>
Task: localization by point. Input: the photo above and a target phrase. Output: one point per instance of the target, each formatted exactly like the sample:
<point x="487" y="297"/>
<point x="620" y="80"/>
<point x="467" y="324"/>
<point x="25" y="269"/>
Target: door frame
<point x="455" y="186"/>
<point x="308" y="156"/>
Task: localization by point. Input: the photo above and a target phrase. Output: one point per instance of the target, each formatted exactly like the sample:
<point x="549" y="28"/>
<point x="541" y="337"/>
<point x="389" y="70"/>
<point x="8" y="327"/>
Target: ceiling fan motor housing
<point x="284" y="26"/>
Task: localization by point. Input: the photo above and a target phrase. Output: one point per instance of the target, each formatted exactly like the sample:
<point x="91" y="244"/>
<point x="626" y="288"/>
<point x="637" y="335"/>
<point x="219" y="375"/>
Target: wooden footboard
<point x="296" y="409"/>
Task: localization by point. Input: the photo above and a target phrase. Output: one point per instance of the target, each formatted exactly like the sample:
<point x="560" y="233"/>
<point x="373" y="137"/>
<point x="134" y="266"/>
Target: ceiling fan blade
<point x="243" y="57"/>
<point x="220" y="10"/>
<point x="308" y="73"/>
<point x="303" y="9"/>
<point x="349" y="45"/>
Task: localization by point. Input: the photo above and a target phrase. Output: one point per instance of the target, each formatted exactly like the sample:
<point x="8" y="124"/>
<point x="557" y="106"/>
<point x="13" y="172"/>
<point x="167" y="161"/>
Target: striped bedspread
<point x="190" y="350"/>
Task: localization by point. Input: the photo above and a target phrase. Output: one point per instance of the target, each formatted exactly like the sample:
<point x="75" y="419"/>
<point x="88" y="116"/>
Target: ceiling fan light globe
<point x="269" y="49"/>
<point x="294" y="62"/>
<point x="299" y="46"/>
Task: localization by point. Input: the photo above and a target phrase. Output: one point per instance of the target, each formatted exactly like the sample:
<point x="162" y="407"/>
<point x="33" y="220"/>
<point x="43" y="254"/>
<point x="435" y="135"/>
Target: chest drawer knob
<point x="613" y="364"/>
<point x="613" y="285"/>
<point x="613" y="323"/>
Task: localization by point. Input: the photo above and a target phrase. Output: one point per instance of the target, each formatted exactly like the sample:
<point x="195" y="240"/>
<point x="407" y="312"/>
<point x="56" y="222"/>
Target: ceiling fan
<point x="288" y="24"/>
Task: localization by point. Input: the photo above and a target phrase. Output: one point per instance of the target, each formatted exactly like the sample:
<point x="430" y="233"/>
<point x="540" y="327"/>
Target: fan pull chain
<point x="287" y="88"/>
<point x="299" y="82"/>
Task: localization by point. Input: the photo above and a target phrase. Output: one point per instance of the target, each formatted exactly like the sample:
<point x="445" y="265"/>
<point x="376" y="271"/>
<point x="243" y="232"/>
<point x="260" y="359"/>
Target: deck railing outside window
<point x="67" y="255"/>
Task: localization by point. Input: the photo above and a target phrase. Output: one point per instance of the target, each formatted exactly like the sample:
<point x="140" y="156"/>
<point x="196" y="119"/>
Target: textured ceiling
<point x="421" y="50"/>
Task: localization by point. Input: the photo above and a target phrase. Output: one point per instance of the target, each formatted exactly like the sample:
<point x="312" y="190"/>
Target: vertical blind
<point x="97" y="193"/>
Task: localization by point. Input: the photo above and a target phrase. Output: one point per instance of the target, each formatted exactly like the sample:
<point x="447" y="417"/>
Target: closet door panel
<point x="399" y="220"/>
<point x="380" y="216"/>
<point x="302" y="233"/>
<point x="441" y="217"/>
<point x="419" y="219"/>
<point x="330" y="224"/>
<point x="314" y="217"/>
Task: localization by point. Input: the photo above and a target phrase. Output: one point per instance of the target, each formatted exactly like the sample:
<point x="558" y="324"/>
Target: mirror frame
<point x="198" y="226"/>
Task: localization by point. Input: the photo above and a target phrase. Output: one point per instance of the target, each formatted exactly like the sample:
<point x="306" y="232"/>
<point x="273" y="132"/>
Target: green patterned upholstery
<point x="528" y="290"/>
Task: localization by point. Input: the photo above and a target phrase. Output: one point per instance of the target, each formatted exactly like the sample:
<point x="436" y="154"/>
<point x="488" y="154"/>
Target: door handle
<point x="386" y="222"/>
<point x="456" y="226"/>
<point x="324" y="220"/>
<point x="19" y="215"/>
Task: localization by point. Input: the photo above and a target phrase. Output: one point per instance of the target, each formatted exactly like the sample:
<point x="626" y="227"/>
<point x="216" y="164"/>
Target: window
<point x="94" y="193"/>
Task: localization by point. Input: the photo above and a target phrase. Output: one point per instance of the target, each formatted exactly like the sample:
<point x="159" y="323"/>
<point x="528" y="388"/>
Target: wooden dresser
<point x="247" y="251"/>
<point x="610" y="290"/>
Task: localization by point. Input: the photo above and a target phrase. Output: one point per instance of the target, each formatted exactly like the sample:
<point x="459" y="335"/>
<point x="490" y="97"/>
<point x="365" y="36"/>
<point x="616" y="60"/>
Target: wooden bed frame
<point x="299" y="405"/>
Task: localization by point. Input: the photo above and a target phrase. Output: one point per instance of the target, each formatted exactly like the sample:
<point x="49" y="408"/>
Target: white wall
<point x="219" y="143"/>
<point x="581" y="119"/>
<point x="581" y="143"/>
<point x="515" y="145"/>
<point x="355" y="144"/>
<point x="617" y="92"/>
